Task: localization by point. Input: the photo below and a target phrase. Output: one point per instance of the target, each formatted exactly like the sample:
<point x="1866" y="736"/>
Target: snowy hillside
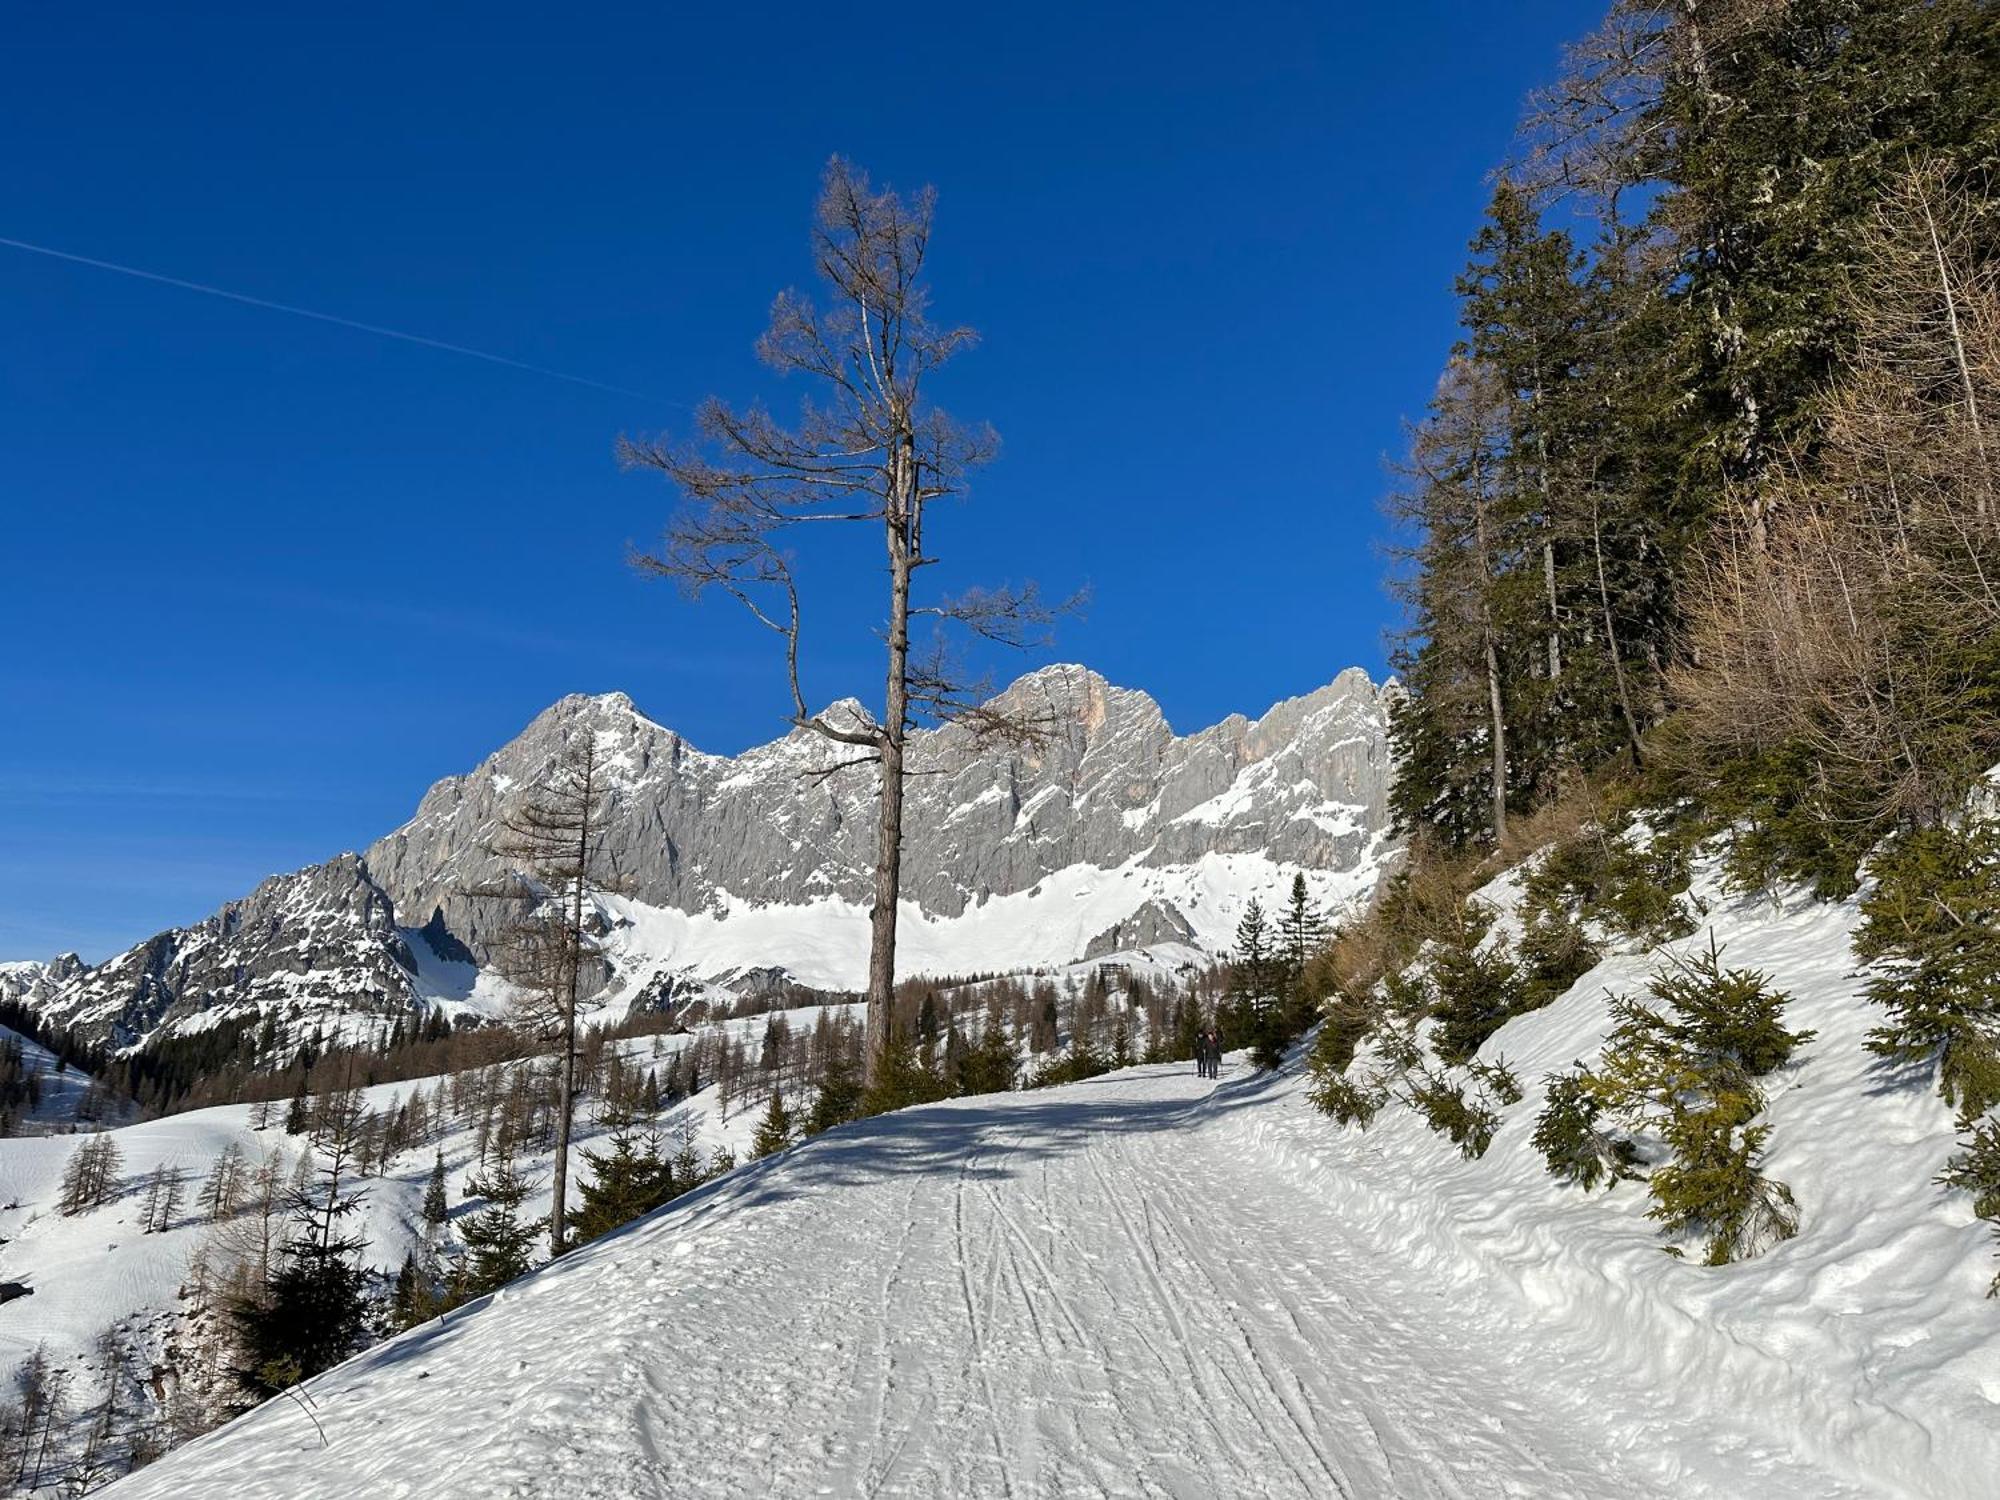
<point x="1142" y="1285"/>
<point x="104" y="1269"/>
<point x="1147" y="1284"/>
<point x="1114" y="835"/>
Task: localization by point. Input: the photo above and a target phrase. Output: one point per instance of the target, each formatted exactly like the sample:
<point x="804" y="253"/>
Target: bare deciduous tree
<point x="868" y="448"/>
<point x="1845" y="605"/>
<point x="551" y="844"/>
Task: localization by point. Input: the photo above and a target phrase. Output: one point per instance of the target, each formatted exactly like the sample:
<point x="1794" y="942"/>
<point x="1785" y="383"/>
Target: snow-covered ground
<point x="1148" y="1285"/>
<point x="98" y="1269"/>
<point x="63" y="1090"/>
<point x="1142" y="1285"/>
<point x="824" y="942"/>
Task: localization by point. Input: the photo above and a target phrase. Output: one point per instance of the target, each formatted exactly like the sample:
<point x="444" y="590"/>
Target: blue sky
<point x="266" y="578"/>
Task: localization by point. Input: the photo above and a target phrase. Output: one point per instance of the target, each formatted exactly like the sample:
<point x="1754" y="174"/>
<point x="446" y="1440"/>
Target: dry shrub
<point x="1844" y="633"/>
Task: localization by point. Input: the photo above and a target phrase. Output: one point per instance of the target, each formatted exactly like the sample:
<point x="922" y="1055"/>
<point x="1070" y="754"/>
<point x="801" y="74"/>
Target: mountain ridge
<point x="1001" y="846"/>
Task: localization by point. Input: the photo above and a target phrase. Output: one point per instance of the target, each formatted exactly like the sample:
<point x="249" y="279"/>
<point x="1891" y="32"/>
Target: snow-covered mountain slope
<point x="99" y="1269"/>
<point x="1143" y="1285"/>
<point x="1869" y="1333"/>
<point x="69" y="1099"/>
<point x="1110" y="835"/>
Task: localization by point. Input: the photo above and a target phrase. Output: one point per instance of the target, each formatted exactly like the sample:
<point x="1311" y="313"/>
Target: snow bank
<point x="824" y="943"/>
<point x="1868" y="1339"/>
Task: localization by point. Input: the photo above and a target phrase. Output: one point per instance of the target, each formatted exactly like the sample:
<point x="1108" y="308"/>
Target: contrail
<point x="320" y="317"/>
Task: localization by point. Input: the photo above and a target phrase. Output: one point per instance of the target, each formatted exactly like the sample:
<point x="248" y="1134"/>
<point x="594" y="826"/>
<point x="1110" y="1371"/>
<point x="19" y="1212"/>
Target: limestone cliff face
<point x="1108" y="785"/>
<point x="316" y="944"/>
<point x="1306" y="785"/>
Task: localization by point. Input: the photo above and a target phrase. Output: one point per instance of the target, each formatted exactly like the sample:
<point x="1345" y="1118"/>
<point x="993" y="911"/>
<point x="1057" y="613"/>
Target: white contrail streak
<point x="320" y="317"/>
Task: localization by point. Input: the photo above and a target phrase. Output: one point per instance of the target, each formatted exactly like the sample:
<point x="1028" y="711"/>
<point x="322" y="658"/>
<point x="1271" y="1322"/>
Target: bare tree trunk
<point x="902" y="516"/>
<point x="1611" y="634"/>
<point x="572" y="981"/>
<point x="1959" y="355"/>
<point x="1499" y="739"/>
<point x="1535" y="402"/>
<point x="1499" y="731"/>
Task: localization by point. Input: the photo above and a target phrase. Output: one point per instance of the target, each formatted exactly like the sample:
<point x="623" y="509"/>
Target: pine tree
<point x="774" y="1132"/>
<point x="223" y="1189"/>
<point x="627" y="1180"/>
<point x="1930" y="935"/>
<point x="992" y="1064"/>
<point x="902" y="1079"/>
<point x="839" y="1096"/>
<point x="298" y="1115"/>
<point x="1687" y="1067"/>
<point x="1255" y="986"/>
<point x="313" y="1311"/>
<point x="552" y="844"/>
<point x="437" y="1206"/>
<point x="1459" y="658"/>
<point x="1302" y="931"/>
<point x="499" y="1243"/>
<point x="163" y="1199"/>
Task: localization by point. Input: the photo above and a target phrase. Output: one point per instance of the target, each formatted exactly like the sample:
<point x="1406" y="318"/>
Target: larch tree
<point x="551" y="844"/>
<point x="869" y="449"/>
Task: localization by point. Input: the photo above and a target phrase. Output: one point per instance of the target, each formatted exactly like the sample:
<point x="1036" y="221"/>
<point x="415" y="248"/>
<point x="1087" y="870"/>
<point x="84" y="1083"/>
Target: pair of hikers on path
<point x="1208" y="1052"/>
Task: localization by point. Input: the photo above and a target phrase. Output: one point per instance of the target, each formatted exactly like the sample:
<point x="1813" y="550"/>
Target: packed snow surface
<point x="1146" y="1285"/>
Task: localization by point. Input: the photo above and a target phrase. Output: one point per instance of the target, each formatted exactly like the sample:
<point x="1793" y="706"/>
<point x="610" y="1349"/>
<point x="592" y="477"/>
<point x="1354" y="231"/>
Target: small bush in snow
<point x="1469" y="1124"/>
<point x="1406" y="996"/>
<point x="1931" y="933"/>
<point x="1567" y="1135"/>
<point x="1686" y="1068"/>
<point x="1476" y="991"/>
<point x="1497" y="1079"/>
<point x="1344" y="1025"/>
<point x="1554" y="953"/>
<point x="1356" y="1101"/>
<point x="1602" y="877"/>
<point x="1349" y="1101"/>
<point x="1976" y="1170"/>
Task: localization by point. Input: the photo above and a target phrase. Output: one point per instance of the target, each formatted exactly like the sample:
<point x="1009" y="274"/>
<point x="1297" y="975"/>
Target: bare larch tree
<point x="868" y="448"/>
<point x="550" y="843"/>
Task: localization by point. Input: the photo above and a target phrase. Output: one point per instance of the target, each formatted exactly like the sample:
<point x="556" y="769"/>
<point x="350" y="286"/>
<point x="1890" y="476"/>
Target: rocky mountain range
<point x="1110" y="834"/>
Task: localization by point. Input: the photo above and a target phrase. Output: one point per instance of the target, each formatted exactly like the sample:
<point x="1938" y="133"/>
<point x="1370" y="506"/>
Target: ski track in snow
<point x="1112" y="1289"/>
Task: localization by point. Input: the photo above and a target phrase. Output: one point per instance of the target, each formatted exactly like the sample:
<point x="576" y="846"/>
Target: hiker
<point x="1201" y="1053"/>
<point x="1214" y="1040"/>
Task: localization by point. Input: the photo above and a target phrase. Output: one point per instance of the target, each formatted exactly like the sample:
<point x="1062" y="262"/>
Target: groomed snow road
<point x="1116" y="1288"/>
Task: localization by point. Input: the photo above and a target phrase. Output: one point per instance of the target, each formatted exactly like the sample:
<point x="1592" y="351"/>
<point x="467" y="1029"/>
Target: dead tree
<point x="550" y="843"/>
<point x="867" y="449"/>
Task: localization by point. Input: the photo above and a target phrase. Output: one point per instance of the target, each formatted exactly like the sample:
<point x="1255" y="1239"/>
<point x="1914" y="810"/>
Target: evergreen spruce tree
<point x="902" y="1078"/>
<point x="774" y="1131"/>
<point x="1302" y="931"/>
<point x="991" y="1065"/>
<point x="1930" y="935"/>
<point x="1687" y="1066"/>
<point x="627" y="1180"/>
<point x="437" y="1206"/>
<point x="839" y="1096"/>
<point x="312" y="1313"/>
<point x="1256" y="1014"/>
<point x="298" y="1115"/>
<point x="499" y="1243"/>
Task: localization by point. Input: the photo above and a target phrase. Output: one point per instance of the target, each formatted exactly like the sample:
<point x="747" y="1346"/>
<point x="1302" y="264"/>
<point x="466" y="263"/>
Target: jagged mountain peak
<point x="1107" y="831"/>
